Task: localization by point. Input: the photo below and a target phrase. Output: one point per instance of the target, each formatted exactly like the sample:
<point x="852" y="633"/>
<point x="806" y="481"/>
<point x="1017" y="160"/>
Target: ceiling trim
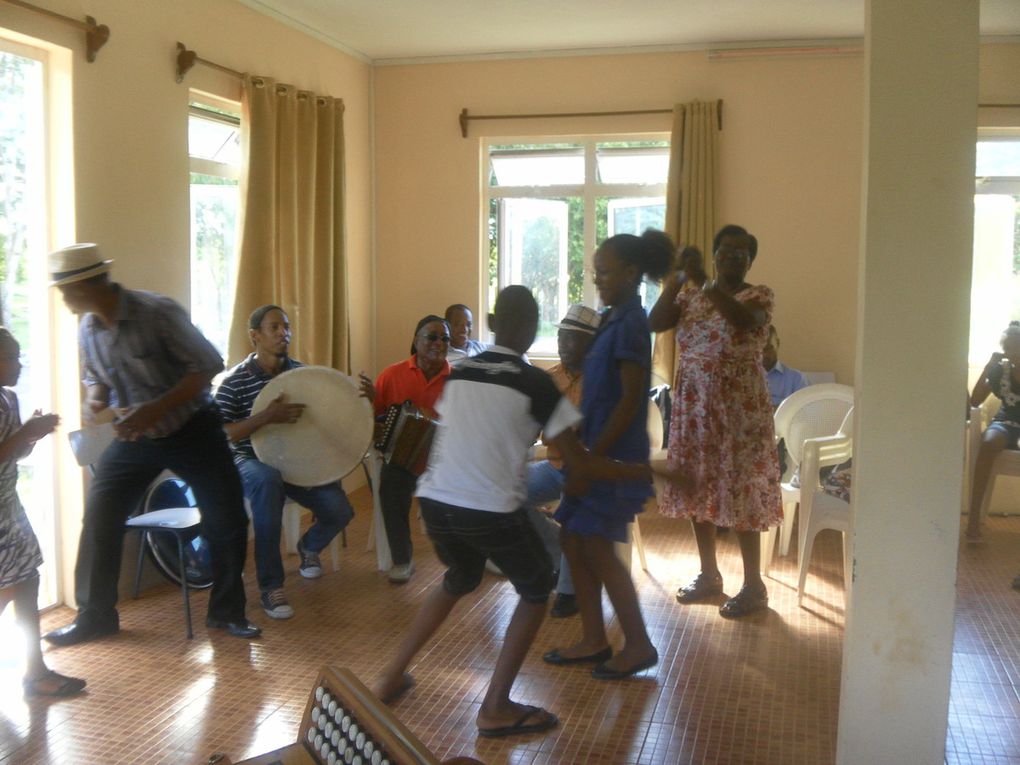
<point x="300" y="26"/>
<point x="746" y="45"/>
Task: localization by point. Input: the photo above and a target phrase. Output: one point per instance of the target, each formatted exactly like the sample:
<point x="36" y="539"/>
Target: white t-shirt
<point x="492" y="408"/>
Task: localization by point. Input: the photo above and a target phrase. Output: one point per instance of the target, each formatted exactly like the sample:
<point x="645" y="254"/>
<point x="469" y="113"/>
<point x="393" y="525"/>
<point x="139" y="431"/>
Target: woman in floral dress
<point x="721" y="434"/>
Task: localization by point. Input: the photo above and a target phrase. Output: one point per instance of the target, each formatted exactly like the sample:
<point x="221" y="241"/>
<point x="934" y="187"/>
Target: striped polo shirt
<point x="237" y="392"/>
<point x="492" y="408"/>
<point x="150" y="347"/>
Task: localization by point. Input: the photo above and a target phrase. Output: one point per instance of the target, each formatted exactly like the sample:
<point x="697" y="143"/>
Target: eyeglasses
<point x="433" y="337"/>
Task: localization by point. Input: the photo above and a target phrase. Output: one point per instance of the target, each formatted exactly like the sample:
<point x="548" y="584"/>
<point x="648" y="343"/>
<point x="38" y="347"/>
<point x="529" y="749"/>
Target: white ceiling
<point x="389" y="31"/>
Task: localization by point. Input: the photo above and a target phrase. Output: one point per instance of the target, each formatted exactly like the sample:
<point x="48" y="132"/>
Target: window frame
<point x="589" y="192"/>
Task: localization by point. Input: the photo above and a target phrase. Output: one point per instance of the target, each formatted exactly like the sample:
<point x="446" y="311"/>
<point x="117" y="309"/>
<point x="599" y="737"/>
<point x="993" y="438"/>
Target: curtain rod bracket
<point x="185" y="60"/>
<point x="96" y="36"/>
<point x="463" y="122"/>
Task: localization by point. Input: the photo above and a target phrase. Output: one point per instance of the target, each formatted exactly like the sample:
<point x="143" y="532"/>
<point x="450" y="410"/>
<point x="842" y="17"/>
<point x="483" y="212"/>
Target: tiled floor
<point x="762" y="690"/>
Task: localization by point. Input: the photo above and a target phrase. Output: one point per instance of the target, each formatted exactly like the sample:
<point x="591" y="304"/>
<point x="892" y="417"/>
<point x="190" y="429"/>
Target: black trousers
<point x="199" y="454"/>
<point x="396" y="489"/>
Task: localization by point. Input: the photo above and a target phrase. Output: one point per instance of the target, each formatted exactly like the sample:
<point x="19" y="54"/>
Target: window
<point x="25" y="230"/>
<point x="214" y="147"/>
<point x="995" y="285"/>
<point x="549" y="204"/>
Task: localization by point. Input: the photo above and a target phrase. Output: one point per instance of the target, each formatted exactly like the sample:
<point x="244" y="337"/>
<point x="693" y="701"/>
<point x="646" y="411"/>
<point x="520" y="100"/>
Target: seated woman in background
<point x="1001" y="376"/>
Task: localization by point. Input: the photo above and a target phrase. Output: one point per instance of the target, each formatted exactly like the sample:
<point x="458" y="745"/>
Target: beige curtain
<point x="292" y="229"/>
<point x="690" y="202"/>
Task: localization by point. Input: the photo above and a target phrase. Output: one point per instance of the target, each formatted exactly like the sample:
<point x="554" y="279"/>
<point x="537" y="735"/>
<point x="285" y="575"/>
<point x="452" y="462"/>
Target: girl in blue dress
<point x="617" y="376"/>
<point x="20" y="556"/>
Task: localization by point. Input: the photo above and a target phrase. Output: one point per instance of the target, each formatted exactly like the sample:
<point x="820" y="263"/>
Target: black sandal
<point x="745" y="603"/>
<point x="52" y="683"/>
<point x="702" y="588"/>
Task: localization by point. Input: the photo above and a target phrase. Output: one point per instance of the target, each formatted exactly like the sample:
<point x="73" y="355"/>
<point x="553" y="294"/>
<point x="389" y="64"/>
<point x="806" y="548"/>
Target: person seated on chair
<point x="471" y="496"/>
<point x="782" y="380"/>
<point x="142" y="357"/>
<point x="264" y="487"/>
<point x="1001" y="377"/>
<point x="420" y="380"/>
<point x="546" y="477"/>
<point x="460" y="321"/>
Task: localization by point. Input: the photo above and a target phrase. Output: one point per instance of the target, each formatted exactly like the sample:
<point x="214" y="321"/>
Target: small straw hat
<point x="77" y="262"/>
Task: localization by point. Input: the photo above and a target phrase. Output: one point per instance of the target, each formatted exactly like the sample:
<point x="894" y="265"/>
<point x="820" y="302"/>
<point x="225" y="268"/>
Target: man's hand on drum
<point x="367" y="388"/>
<point x="282" y="411"/>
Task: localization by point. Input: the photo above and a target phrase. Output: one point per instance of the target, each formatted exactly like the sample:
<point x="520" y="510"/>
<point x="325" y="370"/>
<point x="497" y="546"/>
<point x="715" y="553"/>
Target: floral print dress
<point x="721" y="433"/>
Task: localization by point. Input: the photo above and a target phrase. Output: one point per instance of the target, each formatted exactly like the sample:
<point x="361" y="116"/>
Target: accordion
<point x="344" y="724"/>
<point x="406" y="437"/>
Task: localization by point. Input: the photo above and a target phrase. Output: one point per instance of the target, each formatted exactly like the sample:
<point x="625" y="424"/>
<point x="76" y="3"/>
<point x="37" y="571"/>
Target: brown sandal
<point x="702" y="588"/>
<point x="745" y="603"/>
<point x="52" y="683"/>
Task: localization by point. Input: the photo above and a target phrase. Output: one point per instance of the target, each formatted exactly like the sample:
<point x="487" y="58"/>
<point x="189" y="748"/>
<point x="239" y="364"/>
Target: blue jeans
<point x="266" y="492"/>
<point x="545" y="485"/>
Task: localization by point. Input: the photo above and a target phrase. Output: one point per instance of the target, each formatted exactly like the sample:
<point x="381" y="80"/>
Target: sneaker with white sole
<point x="401" y="573"/>
<point x="310" y="567"/>
<point x="275" y="604"/>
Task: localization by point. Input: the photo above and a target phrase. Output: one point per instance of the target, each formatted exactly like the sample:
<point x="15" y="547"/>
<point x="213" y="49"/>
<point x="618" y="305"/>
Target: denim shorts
<point x="1012" y="432"/>
<point x="464" y="538"/>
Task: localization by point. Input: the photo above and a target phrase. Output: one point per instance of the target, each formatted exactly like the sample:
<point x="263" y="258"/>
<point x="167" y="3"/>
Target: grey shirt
<point x="151" y="346"/>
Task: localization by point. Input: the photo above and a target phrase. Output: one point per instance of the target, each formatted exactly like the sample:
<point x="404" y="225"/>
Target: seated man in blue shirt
<point x="265" y="489"/>
<point x="782" y="380"/>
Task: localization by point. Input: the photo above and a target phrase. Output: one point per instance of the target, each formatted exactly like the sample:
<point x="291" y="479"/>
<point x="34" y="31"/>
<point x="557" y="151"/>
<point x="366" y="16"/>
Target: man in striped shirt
<point x="269" y="330"/>
<point x="144" y="359"/>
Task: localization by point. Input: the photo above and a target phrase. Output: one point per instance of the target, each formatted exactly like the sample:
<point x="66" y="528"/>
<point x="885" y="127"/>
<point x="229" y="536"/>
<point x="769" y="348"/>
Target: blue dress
<point x="609" y="506"/>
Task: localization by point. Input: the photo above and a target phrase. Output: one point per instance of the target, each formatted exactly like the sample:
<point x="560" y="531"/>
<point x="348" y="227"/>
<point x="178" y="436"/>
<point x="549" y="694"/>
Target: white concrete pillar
<point x="917" y="217"/>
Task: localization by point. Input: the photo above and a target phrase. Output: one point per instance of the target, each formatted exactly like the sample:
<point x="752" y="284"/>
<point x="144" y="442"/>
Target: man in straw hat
<point x="144" y="359"/>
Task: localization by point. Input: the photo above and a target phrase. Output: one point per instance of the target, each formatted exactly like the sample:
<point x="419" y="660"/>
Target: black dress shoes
<point x="564" y="606"/>
<point x="241" y="628"/>
<point x="82" y="630"/>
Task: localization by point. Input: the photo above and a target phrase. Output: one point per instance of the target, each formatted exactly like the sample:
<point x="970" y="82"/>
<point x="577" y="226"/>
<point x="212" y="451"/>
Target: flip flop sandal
<point x="61" y="685"/>
<point x="1016" y="583"/>
<point x="702" y="588"/>
<point x="546" y="721"/>
<point x="745" y="603"/>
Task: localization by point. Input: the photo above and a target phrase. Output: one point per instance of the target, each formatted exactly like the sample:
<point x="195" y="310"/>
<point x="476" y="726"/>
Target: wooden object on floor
<point x="344" y="723"/>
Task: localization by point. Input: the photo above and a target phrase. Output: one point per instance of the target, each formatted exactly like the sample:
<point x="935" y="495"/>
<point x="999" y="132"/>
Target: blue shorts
<point x="1012" y="432"/>
<point x="464" y="538"/>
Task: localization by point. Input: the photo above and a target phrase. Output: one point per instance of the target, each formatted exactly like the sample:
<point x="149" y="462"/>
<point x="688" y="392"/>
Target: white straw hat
<point x="77" y="262"/>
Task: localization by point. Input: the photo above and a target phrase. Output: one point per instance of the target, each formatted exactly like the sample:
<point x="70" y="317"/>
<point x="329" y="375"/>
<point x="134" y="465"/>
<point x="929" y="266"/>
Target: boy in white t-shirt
<point x="471" y="496"/>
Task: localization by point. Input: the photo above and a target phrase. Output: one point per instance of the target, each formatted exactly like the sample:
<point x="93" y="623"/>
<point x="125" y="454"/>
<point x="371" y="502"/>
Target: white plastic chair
<point x="1007" y="463"/>
<point x="819" y="509"/>
<point x="811" y="412"/>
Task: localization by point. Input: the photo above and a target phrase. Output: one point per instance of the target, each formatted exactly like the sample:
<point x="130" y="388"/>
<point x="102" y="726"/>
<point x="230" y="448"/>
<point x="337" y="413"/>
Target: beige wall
<point x="130" y="127"/>
<point x="791" y="153"/>
<point x="790" y="167"/>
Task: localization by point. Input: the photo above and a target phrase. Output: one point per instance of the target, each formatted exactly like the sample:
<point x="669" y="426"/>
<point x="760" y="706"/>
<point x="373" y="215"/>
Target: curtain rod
<point x="465" y="118"/>
<point x="96" y="35"/>
<point x="188" y="58"/>
<point x="998" y="106"/>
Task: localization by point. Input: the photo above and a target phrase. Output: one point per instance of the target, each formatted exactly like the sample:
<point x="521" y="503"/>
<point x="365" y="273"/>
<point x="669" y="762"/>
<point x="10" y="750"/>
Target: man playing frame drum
<point x="264" y="487"/>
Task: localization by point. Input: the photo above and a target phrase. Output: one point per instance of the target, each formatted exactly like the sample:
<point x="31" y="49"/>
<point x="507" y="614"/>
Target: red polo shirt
<point x="405" y="381"/>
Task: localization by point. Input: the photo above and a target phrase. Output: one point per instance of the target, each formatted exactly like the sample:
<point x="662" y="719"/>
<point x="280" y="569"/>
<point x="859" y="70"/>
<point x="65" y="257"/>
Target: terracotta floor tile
<point x="761" y="690"/>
